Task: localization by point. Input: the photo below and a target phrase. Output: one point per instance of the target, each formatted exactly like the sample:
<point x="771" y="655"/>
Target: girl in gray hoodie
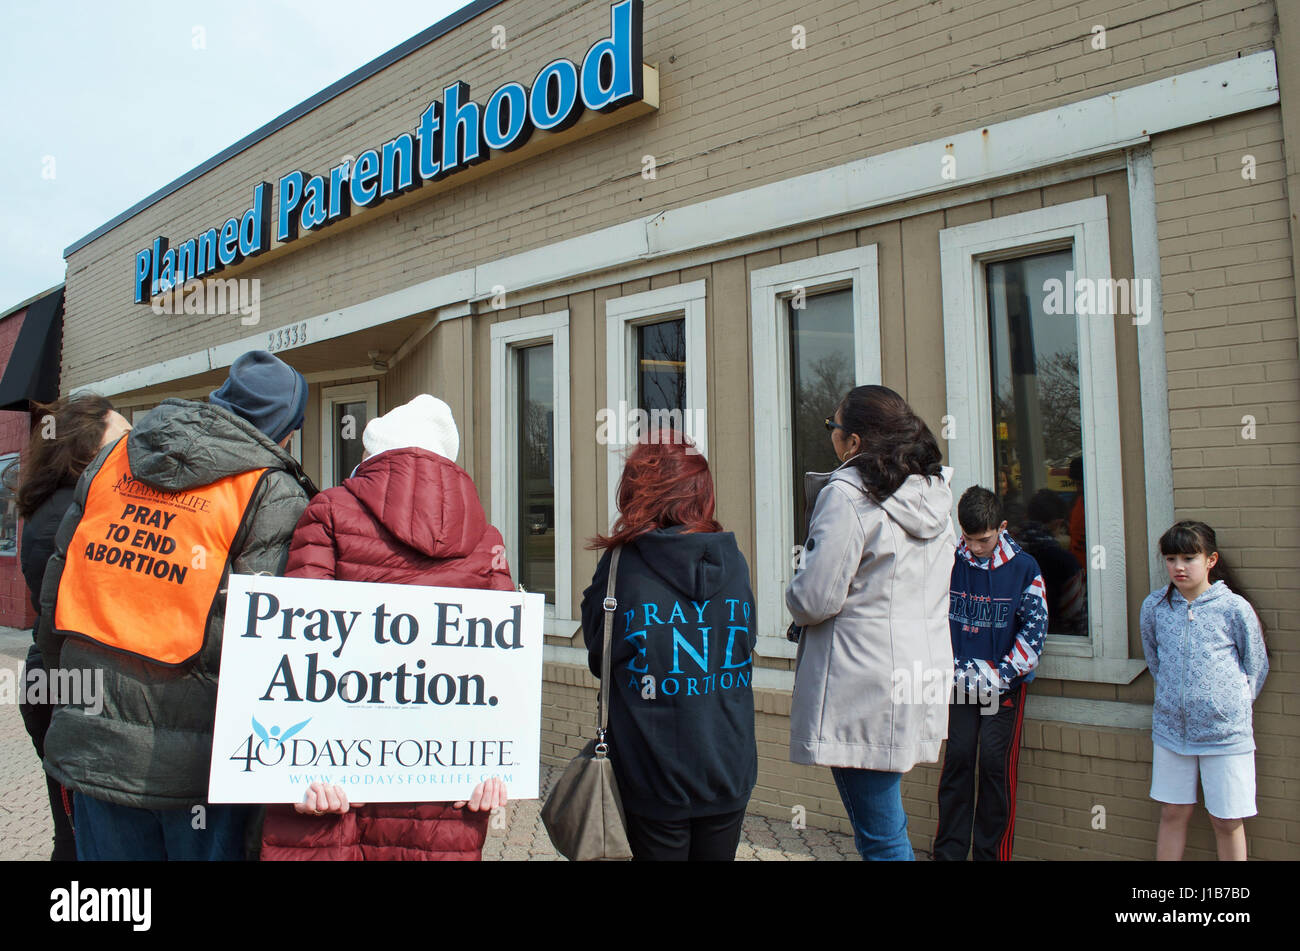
<point x="1205" y="649"/>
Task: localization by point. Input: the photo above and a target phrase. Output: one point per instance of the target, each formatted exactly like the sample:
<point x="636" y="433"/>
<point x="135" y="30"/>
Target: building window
<point x="815" y="334"/>
<point x="1032" y="398"/>
<point x="345" y="411"/>
<point x="1034" y="375"/>
<point x="531" y="458"/>
<point x="821" y="372"/>
<point x="656" y="371"/>
<point x="536" y="455"/>
<point x="9" y="473"/>
<point x="661" y="365"/>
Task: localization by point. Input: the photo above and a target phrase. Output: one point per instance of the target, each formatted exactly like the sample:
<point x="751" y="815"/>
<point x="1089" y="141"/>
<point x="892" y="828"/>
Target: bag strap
<point x="611" y="605"/>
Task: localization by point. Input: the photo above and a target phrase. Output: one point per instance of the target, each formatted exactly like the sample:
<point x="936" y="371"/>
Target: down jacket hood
<point x="184" y="444"/>
<point x="427" y="501"/>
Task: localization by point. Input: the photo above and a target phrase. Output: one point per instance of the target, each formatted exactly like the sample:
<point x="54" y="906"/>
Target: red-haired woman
<point x="681" y="713"/>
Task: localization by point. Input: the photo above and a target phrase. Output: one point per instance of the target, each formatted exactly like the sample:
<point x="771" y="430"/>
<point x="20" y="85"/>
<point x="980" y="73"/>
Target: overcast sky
<point x="106" y="101"/>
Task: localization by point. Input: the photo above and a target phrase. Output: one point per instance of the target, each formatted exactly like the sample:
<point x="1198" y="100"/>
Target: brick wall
<point x="1234" y="405"/>
<point x="740" y="107"/>
<point x="1229" y="313"/>
<point x="15" y="605"/>
<point x="1082" y="793"/>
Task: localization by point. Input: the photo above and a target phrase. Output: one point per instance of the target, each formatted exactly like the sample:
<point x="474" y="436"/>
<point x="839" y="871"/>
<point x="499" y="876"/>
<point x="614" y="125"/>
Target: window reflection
<point x="536" y="409"/>
<point x="661" y="365"/>
<point x="347" y="437"/>
<point x="1037" y="437"/>
<point x="9" y="479"/>
<point x="821" y="372"/>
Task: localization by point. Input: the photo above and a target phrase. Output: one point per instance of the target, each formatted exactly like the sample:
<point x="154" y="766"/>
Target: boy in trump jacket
<point x="998" y="621"/>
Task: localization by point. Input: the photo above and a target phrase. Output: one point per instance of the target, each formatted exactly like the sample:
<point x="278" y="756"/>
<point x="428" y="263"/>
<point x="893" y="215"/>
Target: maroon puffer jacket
<point x="408" y="516"/>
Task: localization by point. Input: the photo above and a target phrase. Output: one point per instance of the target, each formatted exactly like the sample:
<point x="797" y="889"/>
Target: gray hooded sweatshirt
<point x="151" y="743"/>
<point x="875" y="658"/>
<point x="1209" y="663"/>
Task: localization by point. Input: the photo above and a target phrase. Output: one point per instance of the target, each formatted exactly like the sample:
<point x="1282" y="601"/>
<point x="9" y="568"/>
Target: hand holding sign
<point x="487" y="796"/>
<point x="323" y="798"/>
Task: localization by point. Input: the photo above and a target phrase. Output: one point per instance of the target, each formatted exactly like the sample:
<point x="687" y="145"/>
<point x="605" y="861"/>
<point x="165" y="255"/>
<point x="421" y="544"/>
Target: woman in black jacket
<point x="681" y="715"/>
<point x="68" y="435"/>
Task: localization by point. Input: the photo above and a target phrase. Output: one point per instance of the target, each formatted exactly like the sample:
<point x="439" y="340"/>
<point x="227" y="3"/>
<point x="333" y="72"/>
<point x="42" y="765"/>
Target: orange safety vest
<point x="144" y="565"/>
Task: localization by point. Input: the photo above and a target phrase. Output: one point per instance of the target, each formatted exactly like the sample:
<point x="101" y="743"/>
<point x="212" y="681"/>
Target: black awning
<point x="33" y="369"/>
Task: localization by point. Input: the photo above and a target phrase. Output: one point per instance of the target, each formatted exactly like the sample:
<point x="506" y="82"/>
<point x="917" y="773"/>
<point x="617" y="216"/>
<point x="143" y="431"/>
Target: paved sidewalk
<point x="25" y="830"/>
<point x="765" y="840"/>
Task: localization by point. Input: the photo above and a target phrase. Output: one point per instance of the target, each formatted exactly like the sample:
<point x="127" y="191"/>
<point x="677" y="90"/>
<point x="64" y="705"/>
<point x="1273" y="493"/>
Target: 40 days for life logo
<point x="272" y="741"/>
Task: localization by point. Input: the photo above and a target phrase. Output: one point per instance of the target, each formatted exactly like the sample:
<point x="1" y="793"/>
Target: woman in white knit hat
<point x="407" y="515"/>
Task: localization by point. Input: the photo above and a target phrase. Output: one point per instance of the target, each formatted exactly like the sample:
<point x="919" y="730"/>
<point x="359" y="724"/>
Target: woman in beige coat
<point x="875" y="659"/>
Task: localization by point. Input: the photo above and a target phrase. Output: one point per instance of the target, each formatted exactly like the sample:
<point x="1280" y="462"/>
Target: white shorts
<point x="1228" y="780"/>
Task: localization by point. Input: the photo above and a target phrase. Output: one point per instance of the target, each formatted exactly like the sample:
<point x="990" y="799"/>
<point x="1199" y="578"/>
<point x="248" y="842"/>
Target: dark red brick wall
<point x="15" y="605"/>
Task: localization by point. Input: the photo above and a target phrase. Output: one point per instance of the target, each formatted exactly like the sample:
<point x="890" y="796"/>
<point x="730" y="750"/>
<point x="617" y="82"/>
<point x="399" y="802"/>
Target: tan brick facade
<point x="741" y="108"/>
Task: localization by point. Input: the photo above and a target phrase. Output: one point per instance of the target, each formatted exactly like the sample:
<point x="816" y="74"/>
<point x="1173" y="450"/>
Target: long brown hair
<point x="58" y="454"/>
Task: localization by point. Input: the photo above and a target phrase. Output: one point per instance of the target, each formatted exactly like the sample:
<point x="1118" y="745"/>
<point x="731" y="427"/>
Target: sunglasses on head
<point x="831" y="425"/>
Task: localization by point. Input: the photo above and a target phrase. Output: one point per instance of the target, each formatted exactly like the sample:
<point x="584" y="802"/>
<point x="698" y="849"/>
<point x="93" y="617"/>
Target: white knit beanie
<point x="423" y="423"/>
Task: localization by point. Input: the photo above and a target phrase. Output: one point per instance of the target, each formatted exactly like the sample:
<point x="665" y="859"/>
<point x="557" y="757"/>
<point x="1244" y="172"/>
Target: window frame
<point x="769" y="289"/>
<point x="329" y="396"/>
<point x="1083" y="226"/>
<point x="6" y="460"/>
<point x="508" y="337"/>
<point x="622" y="316"/>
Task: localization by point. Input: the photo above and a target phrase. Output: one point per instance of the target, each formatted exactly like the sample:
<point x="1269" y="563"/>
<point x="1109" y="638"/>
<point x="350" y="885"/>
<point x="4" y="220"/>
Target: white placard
<point x="398" y="693"/>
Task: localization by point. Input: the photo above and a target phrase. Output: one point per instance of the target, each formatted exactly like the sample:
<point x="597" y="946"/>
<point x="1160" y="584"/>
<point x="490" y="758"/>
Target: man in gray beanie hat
<point x="200" y="490"/>
<point x="267" y="392"/>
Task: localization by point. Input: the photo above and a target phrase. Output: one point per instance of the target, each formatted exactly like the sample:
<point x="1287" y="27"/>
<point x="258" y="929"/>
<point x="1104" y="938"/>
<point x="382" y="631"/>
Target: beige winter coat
<point x="875" y="659"/>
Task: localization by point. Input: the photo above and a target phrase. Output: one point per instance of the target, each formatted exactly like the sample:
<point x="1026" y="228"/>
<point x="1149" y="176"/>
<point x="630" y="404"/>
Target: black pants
<point x="704" y="839"/>
<point x="993" y="741"/>
<point x="36" y="717"/>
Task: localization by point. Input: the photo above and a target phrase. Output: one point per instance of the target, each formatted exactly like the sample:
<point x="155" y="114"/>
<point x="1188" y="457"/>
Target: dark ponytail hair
<point x="896" y="443"/>
<point x="1196" y="538"/>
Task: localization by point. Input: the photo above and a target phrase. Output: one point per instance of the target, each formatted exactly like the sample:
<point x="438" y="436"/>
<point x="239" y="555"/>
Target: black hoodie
<point x="681" y="719"/>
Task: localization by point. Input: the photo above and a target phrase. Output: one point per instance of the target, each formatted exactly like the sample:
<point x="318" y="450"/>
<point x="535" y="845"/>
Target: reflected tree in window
<point x="1037" y="431"/>
<point x="821" y="372"/>
<point x="536" y="460"/>
<point x="661" y="365"/>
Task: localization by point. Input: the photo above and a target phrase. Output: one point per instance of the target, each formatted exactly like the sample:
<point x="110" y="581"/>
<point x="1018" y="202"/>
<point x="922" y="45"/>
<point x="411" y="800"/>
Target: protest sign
<point x="397" y="693"/>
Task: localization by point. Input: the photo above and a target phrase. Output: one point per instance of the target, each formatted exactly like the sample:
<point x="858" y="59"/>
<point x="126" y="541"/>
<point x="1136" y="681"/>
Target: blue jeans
<point x="111" y="833"/>
<point x="874" y="802"/>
